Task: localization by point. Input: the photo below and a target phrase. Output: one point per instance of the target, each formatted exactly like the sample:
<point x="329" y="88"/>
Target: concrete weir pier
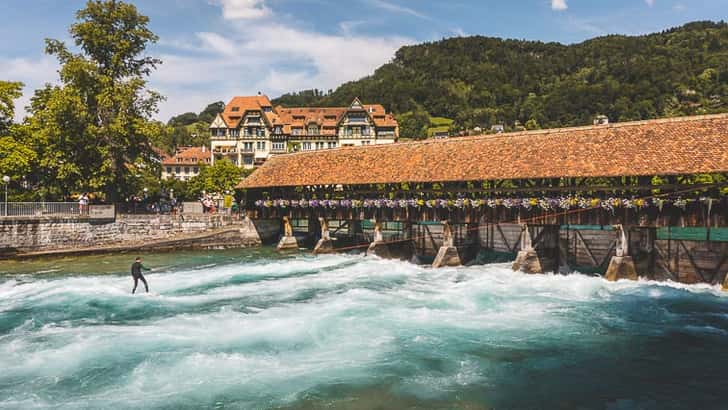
<point x="621" y="266"/>
<point x="448" y="254"/>
<point x="288" y="242"/>
<point x="527" y="260"/>
<point x="325" y="244"/>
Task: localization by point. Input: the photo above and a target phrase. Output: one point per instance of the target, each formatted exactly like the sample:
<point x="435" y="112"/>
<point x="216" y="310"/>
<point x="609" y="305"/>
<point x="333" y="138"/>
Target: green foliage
<point x="189" y="129"/>
<point x="481" y="81"/>
<point x="413" y="124"/>
<point x="92" y="132"/>
<point x="9" y="91"/>
<point x="210" y="112"/>
<point x="221" y="176"/>
<point x="182" y="119"/>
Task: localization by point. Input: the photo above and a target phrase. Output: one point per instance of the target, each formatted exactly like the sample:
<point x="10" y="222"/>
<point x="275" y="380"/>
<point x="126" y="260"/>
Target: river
<point x="251" y="329"/>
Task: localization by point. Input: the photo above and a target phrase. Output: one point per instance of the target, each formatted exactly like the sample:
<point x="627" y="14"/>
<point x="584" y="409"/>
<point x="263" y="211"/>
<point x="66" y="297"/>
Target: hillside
<point x="481" y="81"/>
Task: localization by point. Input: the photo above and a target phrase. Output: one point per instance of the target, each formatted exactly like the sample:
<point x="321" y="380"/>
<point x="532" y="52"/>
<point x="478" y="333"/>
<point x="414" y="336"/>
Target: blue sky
<point x="214" y="49"/>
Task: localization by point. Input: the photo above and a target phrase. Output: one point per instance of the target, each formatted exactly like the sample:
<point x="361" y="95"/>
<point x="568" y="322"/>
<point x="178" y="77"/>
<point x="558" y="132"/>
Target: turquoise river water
<point x="253" y="330"/>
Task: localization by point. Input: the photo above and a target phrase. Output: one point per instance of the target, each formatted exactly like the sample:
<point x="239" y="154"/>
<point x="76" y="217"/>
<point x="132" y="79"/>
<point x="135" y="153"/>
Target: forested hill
<point x="481" y="81"/>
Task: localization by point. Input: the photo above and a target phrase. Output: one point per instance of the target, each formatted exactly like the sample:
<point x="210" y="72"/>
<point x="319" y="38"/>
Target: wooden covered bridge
<point x="651" y="192"/>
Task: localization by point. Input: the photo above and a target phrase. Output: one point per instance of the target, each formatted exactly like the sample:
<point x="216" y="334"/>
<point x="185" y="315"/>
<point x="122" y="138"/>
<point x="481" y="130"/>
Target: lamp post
<point x="171" y="193"/>
<point x="6" y="180"/>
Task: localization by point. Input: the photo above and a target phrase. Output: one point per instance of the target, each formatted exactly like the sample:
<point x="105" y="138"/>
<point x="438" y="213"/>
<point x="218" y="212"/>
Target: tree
<point x="103" y="106"/>
<point x="532" y="124"/>
<point x="17" y="158"/>
<point x="182" y="119"/>
<point x="481" y="81"/>
<point x="9" y="91"/>
<point x="221" y="176"/>
<point x="413" y="124"/>
<point x="210" y="112"/>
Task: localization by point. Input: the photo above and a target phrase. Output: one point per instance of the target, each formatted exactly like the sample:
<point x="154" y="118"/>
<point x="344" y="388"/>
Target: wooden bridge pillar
<point x="325" y="244"/>
<point x="447" y="255"/>
<point x="288" y="241"/>
<point x="621" y="266"/>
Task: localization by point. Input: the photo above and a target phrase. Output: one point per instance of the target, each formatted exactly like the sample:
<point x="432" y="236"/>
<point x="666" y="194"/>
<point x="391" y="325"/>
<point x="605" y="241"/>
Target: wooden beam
<point x="588" y="250"/>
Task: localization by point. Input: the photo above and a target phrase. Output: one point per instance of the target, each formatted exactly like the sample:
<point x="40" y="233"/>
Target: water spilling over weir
<point x="251" y="329"/>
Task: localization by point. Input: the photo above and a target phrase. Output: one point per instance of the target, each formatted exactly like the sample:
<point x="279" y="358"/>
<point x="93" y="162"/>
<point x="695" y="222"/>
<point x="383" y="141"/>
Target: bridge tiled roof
<point x="674" y="146"/>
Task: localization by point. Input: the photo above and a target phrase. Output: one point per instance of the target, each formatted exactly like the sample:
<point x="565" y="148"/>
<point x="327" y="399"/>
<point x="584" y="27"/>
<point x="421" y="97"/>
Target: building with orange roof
<point x="250" y="130"/>
<point x="185" y="163"/>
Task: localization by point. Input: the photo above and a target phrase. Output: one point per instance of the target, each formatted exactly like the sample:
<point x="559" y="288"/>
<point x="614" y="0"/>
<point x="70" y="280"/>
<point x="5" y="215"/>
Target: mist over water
<point x="252" y="329"/>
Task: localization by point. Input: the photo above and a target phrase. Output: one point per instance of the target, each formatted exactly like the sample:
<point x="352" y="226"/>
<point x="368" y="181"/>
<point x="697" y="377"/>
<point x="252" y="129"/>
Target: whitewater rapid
<point x="275" y="332"/>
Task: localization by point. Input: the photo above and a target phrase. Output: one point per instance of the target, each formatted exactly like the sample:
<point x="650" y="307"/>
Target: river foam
<point x="272" y="332"/>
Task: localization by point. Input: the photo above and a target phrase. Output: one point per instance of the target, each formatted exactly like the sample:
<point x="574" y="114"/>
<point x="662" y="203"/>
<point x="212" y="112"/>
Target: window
<point x="313" y="130"/>
<point x="306" y="146"/>
<point x="169" y="170"/>
<point x="187" y="170"/>
<point x="177" y="170"/>
<point x="235" y="109"/>
<point x="196" y="170"/>
<point x="365" y="142"/>
<point x="356" y="130"/>
<point x="247" y="146"/>
<point x="234" y="132"/>
<point x="279" y="146"/>
<point x="278" y="129"/>
<point x="261" y="132"/>
<point x="260" y="145"/>
<point x="267" y="109"/>
<point x="219" y="132"/>
<point x="297" y="131"/>
<point x="319" y="145"/>
<point x="332" y="144"/>
<point x="248" y="160"/>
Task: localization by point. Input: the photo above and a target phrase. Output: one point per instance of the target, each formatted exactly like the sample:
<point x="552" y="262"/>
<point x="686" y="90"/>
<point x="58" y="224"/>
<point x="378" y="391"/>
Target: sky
<point x="215" y="49"/>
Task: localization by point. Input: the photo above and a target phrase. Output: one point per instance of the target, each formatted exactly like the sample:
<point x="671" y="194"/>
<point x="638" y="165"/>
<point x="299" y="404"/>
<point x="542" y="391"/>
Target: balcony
<point x="225" y="151"/>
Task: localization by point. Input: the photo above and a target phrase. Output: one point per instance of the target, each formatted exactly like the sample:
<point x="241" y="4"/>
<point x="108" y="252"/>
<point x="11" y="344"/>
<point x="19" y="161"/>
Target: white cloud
<point x="289" y="58"/>
<point x="34" y="73"/>
<point x="216" y="43"/>
<point x="396" y="8"/>
<point x="559" y="5"/>
<point x="244" y="9"/>
<point x="650" y="2"/>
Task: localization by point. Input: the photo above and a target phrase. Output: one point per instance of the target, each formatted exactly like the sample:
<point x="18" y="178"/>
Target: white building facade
<point x="250" y="129"/>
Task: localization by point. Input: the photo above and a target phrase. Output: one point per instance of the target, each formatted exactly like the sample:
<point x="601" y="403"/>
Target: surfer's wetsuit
<point x="136" y="273"/>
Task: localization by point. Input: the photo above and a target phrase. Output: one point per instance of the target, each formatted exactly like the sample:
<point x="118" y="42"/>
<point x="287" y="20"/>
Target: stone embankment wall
<point x="140" y="231"/>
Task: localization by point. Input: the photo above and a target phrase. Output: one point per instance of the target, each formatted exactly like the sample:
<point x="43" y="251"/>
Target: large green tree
<point x="17" y="157"/>
<point x="95" y="125"/>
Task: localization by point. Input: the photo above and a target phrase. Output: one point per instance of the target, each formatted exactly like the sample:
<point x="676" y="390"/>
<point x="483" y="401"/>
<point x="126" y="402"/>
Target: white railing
<point x="39" y="209"/>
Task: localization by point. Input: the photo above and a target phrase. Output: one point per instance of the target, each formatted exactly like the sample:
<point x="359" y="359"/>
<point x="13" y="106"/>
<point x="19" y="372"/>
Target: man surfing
<point x="136" y="273"/>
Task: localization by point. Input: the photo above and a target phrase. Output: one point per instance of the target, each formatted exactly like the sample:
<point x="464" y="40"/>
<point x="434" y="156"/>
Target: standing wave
<point x="346" y="331"/>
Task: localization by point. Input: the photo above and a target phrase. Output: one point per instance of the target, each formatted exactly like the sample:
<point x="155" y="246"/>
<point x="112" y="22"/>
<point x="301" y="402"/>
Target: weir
<point x="620" y="200"/>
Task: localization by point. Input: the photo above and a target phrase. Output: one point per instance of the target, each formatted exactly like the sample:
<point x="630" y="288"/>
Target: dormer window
<point x="313" y="129"/>
<point x="267" y="109"/>
<point x="235" y="109"/>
